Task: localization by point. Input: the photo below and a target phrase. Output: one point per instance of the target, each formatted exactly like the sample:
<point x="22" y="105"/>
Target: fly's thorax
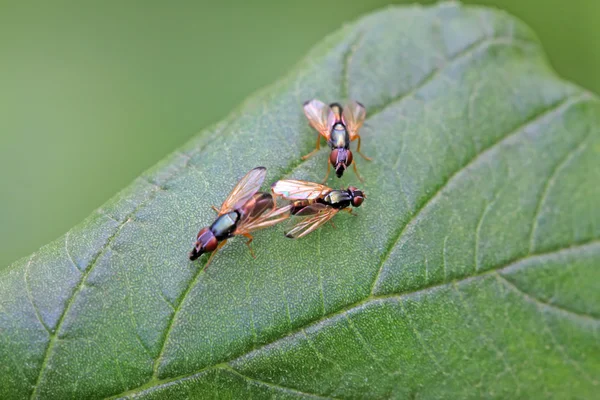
<point x="338" y="199"/>
<point x="224" y="225"/>
<point x="339" y="137"/>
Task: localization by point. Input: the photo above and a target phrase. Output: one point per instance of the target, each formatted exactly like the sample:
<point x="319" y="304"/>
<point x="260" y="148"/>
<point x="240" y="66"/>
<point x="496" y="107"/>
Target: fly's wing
<point x="354" y="115"/>
<point x="310" y="218"/>
<point x="291" y="189"/>
<point x="244" y="190"/>
<point x="264" y="220"/>
<point x="320" y="117"/>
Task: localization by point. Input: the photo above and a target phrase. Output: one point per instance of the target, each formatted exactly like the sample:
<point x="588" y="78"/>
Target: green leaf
<point x="471" y="270"/>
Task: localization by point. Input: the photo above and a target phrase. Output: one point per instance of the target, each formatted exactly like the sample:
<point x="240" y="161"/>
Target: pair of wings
<point x="309" y="218"/>
<point x="313" y="215"/>
<point x="322" y="118"/>
<point x="247" y="187"/>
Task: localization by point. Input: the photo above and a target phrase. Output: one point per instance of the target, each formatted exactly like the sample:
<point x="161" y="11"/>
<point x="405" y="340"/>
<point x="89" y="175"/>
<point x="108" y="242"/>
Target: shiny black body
<point x="225" y="226"/>
<point x="339" y="140"/>
<point x="337" y="199"/>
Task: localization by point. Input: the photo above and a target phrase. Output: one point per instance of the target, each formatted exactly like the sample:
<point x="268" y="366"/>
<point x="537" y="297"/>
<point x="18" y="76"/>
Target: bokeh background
<point x="93" y="94"/>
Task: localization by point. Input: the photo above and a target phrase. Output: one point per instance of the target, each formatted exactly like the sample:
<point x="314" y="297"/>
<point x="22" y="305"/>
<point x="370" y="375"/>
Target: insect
<point x="339" y="126"/>
<point x="244" y="211"/>
<point x="314" y="204"/>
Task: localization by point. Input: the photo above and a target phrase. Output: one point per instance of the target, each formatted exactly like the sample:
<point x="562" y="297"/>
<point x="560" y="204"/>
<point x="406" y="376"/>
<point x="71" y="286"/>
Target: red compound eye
<point x="206" y="241"/>
<point x="357" y="201"/>
<point x="348" y="157"/>
<point x="333" y="157"/>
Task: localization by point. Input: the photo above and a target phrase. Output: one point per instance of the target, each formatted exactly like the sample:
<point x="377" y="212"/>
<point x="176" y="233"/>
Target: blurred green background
<point x="93" y="94"/>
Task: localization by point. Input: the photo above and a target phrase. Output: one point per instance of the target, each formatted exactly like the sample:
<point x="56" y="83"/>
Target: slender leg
<point x="358" y="150"/>
<point x="327" y="175"/>
<point x="312" y="153"/>
<point x="250" y="239"/>
<point x="356" y="172"/>
<point x="332" y="224"/>
<point x="216" y="209"/>
<point x="349" y="211"/>
<point x="213" y="254"/>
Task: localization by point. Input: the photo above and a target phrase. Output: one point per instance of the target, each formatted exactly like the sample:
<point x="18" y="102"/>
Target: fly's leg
<point x="312" y="153"/>
<point x="327" y="175"/>
<point x="250" y="239"/>
<point x="349" y="211"/>
<point x="356" y="172"/>
<point x="216" y="209"/>
<point x="213" y="254"/>
<point x="332" y="224"/>
<point x="358" y="150"/>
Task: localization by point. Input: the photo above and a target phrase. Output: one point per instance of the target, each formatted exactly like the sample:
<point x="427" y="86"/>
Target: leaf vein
<point x="517" y="263"/>
<point x="481" y="44"/>
<point x="36" y="310"/>
<point x="419" y="338"/>
<point x="488" y="339"/>
<point x="367" y="346"/>
<point x="486" y="210"/>
<point x="345" y="83"/>
<point x="156" y="366"/>
<point x="543" y="305"/>
<point x="284" y="389"/>
<point x="547" y="113"/>
<point x="569" y="156"/>
<point x="71" y="300"/>
<point x="476" y="46"/>
<point x="67" y="235"/>
<point x="134" y="323"/>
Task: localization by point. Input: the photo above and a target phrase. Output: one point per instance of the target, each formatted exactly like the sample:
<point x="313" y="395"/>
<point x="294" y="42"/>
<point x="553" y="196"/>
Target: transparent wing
<point x="291" y="189"/>
<point x="354" y="115"/>
<point x="244" y="190"/>
<point x="264" y="220"/>
<point x="310" y="218"/>
<point x="320" y="117"/>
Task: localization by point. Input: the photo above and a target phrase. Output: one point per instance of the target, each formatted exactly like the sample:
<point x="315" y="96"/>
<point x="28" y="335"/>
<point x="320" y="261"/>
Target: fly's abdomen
<point x="298" y="205"/>
<point x="257" y="205"/>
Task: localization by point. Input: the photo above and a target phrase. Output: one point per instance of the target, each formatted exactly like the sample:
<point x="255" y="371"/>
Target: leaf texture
<point x="471" y="270"/>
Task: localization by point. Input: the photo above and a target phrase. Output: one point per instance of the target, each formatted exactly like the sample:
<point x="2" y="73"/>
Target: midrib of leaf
<point x="477" y="46"/>
<point x="523" y="262"/>
<point x="420" y="208"/>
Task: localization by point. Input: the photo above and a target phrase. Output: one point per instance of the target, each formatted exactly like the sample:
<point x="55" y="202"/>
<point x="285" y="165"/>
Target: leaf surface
<point x="471" y="270"/>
